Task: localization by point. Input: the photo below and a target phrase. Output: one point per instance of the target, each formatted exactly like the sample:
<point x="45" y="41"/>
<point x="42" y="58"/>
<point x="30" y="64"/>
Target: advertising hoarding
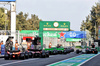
<point x="74" y="34"/>
<point x="59" y="34"/>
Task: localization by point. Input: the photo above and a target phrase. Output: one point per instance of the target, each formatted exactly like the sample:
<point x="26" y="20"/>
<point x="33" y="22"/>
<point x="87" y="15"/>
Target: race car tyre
<point x="40" y="56"/>
<point x="22" y="56"/>
<point x="87" y="52"/>
<point x="96" y="52"/>
<point x="60" y="52"/>
<point x="50" y="52"/>
<point x="64" y="52"/>
<point x="77" y="51"/>
<point x="72" y="50"/>
<point x="47" y="56"/>
<point x="26" y="56"/>
<point x="30" y="55"/>
<point x="6" y="58"/>
<point x="43" y="55"/>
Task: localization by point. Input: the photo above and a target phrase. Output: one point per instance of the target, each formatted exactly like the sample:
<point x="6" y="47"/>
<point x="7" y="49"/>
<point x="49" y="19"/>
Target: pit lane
<point x="37" y="61"/>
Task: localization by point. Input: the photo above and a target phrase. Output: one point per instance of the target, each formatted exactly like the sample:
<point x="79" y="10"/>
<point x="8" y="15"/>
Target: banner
<point x="2" y="49"/>
<point x="45" y="33"/>
<point x="51" y="33"/>
<point x="59" y="34"/>
<point x="73" y="34"/>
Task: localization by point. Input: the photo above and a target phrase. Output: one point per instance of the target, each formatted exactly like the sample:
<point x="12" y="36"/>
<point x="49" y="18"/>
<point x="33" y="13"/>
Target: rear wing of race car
<point x="13" y="51"/>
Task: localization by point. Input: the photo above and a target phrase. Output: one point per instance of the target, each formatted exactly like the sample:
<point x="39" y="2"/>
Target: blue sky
<point x="60" y="10"/>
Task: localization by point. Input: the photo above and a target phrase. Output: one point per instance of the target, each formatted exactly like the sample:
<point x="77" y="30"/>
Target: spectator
<point x="16" y="46"/>
<point x="57" y="45"/>
<point x="50" y="45"/>
<point x="28" y="45"/>
<point x="93" y="46"/>
<point x="1" y="42"/>
<point x="11" y="44"/>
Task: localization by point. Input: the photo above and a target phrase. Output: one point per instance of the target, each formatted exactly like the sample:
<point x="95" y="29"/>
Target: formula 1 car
<point x="66" y="51"/>
<point x="15" y="54"/>
<point x="71" y="49"/>
<point x="52" y="51"/>
<point x="87" y="51"/>
<point x="60" y="50"/>
<point x="38" y="53"/>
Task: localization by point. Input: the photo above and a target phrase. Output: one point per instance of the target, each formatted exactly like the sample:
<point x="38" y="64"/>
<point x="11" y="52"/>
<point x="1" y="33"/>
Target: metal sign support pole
<point x="13" y="21"/>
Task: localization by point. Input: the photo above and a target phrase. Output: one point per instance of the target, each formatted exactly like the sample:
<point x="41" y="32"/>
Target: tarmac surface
<point x="37" y="61"/>
<point x="46" y="61"/>
<point x="93" y="62"/>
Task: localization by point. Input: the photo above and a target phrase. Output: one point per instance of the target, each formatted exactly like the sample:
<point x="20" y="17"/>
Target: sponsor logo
<point x="62" y="34"/>
<point x="56" y="24"/>
<point x="47" y="25"/>
<point x="64" y="25"/>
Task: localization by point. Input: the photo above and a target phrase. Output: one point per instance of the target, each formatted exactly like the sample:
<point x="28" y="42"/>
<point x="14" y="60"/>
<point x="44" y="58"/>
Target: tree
<point x="3" y="19"/>
<point x="93" y="20"/>
<point x="22" y="21"/>
<point x="34" y="22"/>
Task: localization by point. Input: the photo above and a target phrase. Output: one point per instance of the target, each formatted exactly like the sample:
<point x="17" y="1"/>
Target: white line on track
<point x="73" y="57"/>
<point x="61" y="60"/>
<point x="20" y="61"/>
<point x="88" y="60"/>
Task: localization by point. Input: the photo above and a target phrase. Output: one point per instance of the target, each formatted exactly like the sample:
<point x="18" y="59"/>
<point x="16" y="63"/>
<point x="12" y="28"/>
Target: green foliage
<point x="22" y="21"/>
<point x="92" y="20"/>
<point x="3" y="19"/>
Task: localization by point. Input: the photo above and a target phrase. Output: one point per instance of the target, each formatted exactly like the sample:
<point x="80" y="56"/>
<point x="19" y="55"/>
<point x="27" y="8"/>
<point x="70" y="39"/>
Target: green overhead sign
<point x="56" y="24"/>
<point x="52" y="26"/>
<point x="73" y="39"/>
